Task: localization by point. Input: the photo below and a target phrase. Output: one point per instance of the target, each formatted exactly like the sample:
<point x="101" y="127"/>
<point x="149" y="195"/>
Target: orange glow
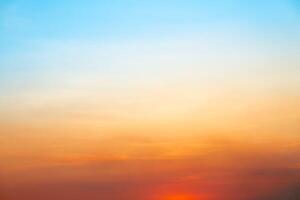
<point x="179" y="197"/>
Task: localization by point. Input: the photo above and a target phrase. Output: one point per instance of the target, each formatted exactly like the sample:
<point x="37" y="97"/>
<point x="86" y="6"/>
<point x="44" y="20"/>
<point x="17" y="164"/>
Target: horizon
<point x="150" y="100"/>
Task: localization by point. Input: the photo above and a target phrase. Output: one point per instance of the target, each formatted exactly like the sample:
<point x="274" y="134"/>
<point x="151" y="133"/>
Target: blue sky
<point x="35" y="33"/>
<point x="22" y="21"/>
<point x="149" y="99"/>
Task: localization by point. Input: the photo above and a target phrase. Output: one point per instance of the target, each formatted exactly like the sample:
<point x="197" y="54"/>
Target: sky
<point x="149" y="99"/>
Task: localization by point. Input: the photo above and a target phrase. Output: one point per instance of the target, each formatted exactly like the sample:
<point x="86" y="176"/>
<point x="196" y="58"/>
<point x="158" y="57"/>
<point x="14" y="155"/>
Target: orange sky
<point x="245" y="153"/>
<point x="149" y="100"/>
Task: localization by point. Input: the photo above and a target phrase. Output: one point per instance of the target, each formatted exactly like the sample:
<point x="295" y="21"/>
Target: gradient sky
<point x="149" y="100"/>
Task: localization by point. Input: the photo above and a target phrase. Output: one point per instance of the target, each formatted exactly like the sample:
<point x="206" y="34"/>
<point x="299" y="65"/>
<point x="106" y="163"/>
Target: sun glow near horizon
<point x="179" y="197"/>
<point x="149" y="100"/>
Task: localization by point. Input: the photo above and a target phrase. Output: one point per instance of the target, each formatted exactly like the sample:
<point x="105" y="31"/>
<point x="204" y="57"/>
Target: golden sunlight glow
<point x="149" y="100"/>
<point x="179" y="197"/>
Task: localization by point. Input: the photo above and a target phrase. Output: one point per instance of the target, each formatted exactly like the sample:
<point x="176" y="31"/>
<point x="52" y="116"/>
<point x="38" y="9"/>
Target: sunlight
<point x="179" y="197"/>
